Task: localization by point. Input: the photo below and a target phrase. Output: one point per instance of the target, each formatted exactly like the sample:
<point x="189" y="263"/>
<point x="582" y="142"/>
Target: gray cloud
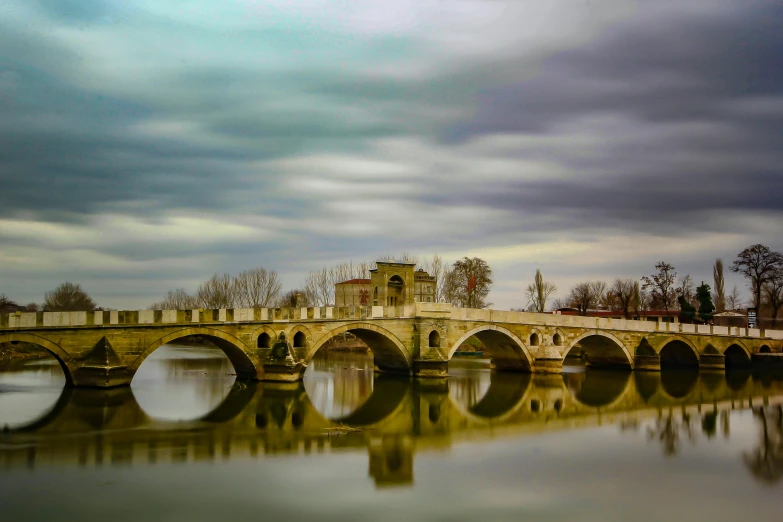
<point x="309" y="137"/>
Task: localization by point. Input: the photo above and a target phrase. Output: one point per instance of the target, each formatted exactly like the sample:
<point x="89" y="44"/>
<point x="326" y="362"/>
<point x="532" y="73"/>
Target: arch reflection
<point x="101" y="427"/>
<point x="489" y="395"/>
<point x="183" y="383"/>
<point x="599" y="388"/>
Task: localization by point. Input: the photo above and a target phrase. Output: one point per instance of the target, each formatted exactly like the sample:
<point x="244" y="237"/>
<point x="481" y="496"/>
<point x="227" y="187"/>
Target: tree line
<point x="663" y="290"/>
<point x="68" y="297"/>
<point x="467" y="283"/>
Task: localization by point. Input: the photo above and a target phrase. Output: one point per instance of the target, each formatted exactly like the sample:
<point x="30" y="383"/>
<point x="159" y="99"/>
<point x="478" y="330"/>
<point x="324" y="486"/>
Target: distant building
<point x="354" y="292"/>
<point x="423" y="287"/>
<point x="391" y="283"/>
<point x="729" y="318"/>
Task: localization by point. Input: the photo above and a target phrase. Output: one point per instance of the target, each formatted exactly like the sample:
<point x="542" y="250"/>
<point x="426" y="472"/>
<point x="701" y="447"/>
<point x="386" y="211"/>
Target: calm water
<point x="187" y="443"/>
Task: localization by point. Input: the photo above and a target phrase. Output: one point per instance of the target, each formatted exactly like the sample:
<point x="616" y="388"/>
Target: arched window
<point x="534" y="339"/>
<point x="299" y="340"/>
<point x="434" y="339"/>
<point x="264" y="340"/>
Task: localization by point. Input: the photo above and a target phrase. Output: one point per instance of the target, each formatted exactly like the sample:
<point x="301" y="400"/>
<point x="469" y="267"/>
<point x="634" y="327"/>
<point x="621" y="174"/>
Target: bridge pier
<point x="281" y="364"/>
<point x="709" y="361"/>
<point x="101" y="376"/>
<point x="431" y="368"/>
<point x="548" y="360"/>
<point x="650" y="363"/>
<point x="101" y="367"/>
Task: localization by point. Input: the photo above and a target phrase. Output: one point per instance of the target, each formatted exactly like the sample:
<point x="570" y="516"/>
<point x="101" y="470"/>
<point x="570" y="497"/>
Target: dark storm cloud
<point x="66" y="151"/>
<point x="694" y="107"/>
<point x="679" y="68"/>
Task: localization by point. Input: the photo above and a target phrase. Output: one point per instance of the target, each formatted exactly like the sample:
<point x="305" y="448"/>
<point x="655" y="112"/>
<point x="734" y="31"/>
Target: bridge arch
<point x="736" y="355"/>
<point x="678" y="352"/>
<point x="264" y="337"/>
<point x="238" y="353"/>
<point x="507" y="351"/>
<point x="299" y="336"/>
<point x="63" y="359"/>
<point x="535" y="338"/>
<point x="388" y="351"/>
<point x="602" y="350"/>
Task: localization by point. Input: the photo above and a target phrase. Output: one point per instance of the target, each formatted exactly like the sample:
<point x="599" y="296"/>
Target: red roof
<point x="355" y="282"/>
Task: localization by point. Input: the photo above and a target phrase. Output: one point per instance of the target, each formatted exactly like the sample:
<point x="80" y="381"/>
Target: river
<point x="187" y="443"/>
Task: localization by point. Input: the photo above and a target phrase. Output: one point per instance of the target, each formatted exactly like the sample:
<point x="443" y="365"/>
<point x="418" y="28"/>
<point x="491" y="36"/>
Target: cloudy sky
<point x="145" y="145"/>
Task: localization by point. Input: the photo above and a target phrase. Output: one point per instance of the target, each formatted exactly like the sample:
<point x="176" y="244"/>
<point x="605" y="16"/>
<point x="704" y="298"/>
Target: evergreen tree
<point x="687" y="310"/>
<point x="706" y="307"/>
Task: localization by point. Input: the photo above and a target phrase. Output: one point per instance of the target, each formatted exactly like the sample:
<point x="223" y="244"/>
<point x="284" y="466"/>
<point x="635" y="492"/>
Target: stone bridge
<point x="105" y="348"/>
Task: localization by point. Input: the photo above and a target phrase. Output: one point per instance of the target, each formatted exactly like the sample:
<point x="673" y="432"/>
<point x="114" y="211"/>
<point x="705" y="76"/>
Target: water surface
<point x="187" y="442"/>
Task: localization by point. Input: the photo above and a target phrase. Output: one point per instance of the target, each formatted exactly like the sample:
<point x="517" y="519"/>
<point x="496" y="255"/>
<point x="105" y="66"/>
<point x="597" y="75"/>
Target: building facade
<point x="391" y="283"/>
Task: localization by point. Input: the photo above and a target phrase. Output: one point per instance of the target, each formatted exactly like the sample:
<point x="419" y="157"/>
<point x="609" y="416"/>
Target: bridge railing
<point x="556" y="320"/>
<point x="230" y="315"/>
<point x="23" y="320"/>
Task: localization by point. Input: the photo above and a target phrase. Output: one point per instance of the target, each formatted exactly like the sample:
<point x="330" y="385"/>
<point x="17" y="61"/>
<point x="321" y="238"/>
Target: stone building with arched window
<point x="391" y="283"/>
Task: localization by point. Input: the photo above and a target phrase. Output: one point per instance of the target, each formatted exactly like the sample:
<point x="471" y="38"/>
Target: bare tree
<point x="437" y="268"/>
<point x="320" y="285"/>
<point x="68" y="297"/>
<point x="687" y="289"/>
<point x="468" y="283"/>
<point x="758" y="264"/>
<point x="720" y="290"/>
<point x="661" y="285"/>
<point x="773" y="293"/>
<point x="640" y="300"/>
<point x="585" y="296"/>
<point x="296" y="298"/>
<point x="539" y="292"/>
<point x="623" y="290"/>
<point x="219" y="291"/>
<point x="404" y="257"/>
<point x="7" y="305"/>
<point x="602" y="299"/>
<point x="177" y="299"/>
<point x="734" y="299"/>
<point x="256" y="288"/>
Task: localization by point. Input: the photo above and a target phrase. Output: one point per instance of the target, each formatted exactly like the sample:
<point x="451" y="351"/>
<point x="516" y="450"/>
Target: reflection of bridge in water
<point x="108" y="427"/>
